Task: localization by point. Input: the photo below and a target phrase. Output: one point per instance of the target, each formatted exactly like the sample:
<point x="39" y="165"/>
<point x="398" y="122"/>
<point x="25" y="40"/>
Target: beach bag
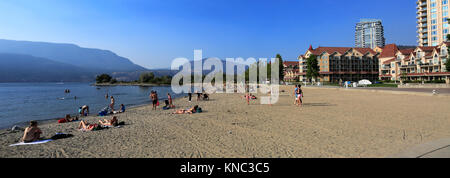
<point x="103" y="113"/>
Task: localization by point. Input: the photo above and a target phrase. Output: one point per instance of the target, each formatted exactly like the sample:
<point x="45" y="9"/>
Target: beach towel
<point x="32" y="143"/>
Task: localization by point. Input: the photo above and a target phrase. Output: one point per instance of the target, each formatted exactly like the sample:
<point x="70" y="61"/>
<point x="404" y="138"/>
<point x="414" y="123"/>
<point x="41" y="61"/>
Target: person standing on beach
<point x="169" y="97"/>
<point x="154" y="98"/>
<point x="199" y="95"/>
<point x="295" y="94"/>
<point x="247" y="97"/>
<point x="190" y="96"/>
<point x="300" y="96"/>
<point x="112" y="103"/>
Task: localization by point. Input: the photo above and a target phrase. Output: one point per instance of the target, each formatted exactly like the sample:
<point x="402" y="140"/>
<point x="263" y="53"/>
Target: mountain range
<point x="25" y="61"/>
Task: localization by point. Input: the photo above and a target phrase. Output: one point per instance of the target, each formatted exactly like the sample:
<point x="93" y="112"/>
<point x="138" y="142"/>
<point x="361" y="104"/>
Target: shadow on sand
<point x="318" y="104"/>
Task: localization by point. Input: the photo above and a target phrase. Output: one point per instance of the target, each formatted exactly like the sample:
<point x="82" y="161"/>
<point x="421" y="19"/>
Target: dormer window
<point x="444" y="51"/>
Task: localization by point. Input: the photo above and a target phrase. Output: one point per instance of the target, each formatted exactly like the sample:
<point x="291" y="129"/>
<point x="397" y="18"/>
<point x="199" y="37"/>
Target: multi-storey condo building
<point x="369" y="34"/>
<point x="424" y="63"/>
<point x="291" y="71"/>
<point x="342" y="64"/>
<point x="389" y="65"/>
<point x="432" y="24"/>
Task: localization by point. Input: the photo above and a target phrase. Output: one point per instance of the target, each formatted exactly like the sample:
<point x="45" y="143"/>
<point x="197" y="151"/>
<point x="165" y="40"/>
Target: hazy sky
<point x="152" y="33"/>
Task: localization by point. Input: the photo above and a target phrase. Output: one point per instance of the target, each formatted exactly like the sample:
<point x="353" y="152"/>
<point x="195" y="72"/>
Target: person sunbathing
<point x="113" y="122"/>
<point x="188" y="111"/>
<point x="85" y="126"/>
<point x="32" y="133"/>
<point x="68" y="119"/>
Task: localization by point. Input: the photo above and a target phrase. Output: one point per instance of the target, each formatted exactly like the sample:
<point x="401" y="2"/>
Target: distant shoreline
<point x="130" y="84"/>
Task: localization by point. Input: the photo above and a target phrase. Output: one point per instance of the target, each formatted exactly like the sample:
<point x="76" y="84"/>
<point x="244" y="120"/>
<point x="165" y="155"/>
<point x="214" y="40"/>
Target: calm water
<point x="22" y="102"/>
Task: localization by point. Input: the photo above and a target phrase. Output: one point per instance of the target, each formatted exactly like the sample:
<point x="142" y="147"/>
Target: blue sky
<point x="153" y="32"/>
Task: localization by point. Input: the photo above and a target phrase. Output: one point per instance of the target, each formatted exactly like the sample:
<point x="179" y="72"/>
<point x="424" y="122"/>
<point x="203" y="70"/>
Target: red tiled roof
<point x="341" y="50"/>
<point x="365" y="50"/>
<point x="329" y="50"/>
<point x="389" y="51"/>
<point x="428" y="48"/>
<point x="407" y="51"/>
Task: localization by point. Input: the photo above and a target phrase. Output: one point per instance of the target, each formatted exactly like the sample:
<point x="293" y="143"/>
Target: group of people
<point x="200" y="96"/>
<point x="248" y="97"/>
<point x="86" y="126"/>
<point x="155" y="101"/>
<point x="298" y="93"/>
<point x="33" y="133"/>
<point x="191" y="110"/>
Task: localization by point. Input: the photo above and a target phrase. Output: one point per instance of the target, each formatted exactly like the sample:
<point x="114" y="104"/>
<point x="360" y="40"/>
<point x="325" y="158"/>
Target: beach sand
<point x="333" y="123"/>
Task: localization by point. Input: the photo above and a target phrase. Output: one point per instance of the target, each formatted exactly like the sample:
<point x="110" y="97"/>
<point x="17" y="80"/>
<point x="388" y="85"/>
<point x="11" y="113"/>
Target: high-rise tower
<point x="369" y="34"/>
<point x="432" y="24"/>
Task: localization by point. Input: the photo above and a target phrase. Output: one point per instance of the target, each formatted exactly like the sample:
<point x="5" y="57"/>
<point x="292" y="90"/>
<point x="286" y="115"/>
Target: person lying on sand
<point x="68" y="119"/>
<point x="113" y="122"/>
<point x="188" y="111"/>
<point x="85" y="126"/>
<point x="32" y="133"/>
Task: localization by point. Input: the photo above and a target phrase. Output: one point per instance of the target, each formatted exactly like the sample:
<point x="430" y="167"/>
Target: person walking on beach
<point x="299" y="96"/>
<point x="32" y="133"/>
<point x="112" y="104"/>
<point x="247" y="97"/>
<point x="295" y="94"/>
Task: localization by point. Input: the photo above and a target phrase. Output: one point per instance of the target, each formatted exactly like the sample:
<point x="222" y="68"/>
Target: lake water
<point x="22" y="102"/>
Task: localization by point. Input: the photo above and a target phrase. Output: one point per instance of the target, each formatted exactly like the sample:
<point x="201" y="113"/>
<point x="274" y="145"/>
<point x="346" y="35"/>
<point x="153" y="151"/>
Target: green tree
<point x="147" y="77"/>
<point x="103" y="78"/>
<point x="281" y="67"/>
<point x="256" y="65"/>
<point x="312" y="66"/>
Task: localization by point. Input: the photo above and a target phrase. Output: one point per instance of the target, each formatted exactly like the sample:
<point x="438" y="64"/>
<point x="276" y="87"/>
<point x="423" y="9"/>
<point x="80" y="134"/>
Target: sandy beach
<point x="334" y="123"/>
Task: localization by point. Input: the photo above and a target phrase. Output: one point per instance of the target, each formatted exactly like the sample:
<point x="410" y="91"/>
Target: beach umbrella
<point x="364" y="82"/>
